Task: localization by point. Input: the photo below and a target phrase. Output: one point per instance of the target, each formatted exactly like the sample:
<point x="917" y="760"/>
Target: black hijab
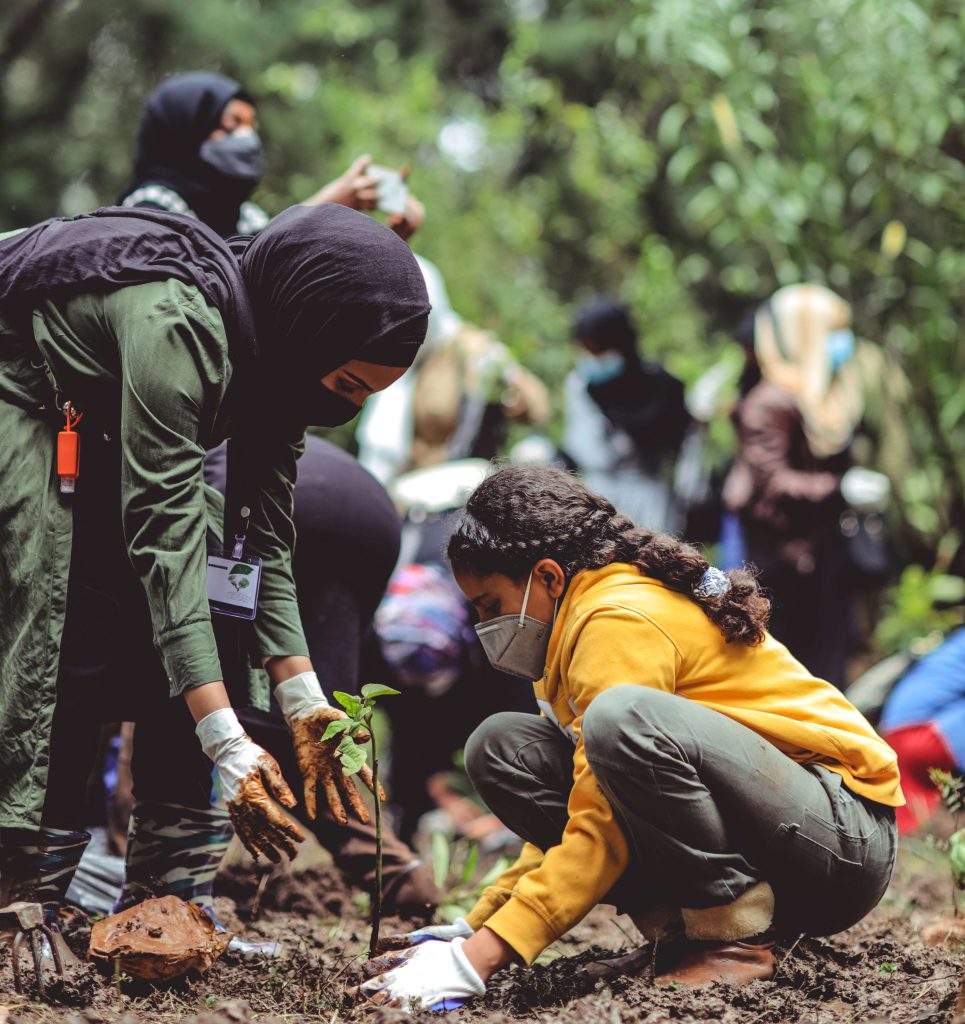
<point x="178" y="116"/>
<point x="113" y="247"/>
<point x="328" y="284"/>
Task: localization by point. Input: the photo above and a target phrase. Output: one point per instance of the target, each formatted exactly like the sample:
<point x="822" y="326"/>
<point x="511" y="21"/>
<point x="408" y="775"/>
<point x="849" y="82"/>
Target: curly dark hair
<point x="524" y="513"/>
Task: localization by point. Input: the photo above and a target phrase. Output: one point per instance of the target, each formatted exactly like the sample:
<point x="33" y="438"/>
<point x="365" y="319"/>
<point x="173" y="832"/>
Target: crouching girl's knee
<point x="619" y="714"/>
<point x="490" y="747"/>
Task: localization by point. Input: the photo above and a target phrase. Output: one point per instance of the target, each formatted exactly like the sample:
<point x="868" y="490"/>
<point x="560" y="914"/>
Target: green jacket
<point x="152" y="358"/>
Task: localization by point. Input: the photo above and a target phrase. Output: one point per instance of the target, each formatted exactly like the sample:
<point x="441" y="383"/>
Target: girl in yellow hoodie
<point x="685" y="766"/>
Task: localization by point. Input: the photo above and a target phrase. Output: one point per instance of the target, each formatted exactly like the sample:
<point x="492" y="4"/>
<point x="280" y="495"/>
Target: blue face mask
<point x="602" y="368"/>
<point x="840" y="345"/>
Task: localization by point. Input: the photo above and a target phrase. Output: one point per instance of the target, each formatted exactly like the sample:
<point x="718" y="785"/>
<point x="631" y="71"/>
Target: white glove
<point x="234" y="753"/>
<point x="250" y="780"/>
<point x="300" y="697"/>
<point x="459" y="929"/>
<point x="435" y="976"/>
<point x="864" y="488"/>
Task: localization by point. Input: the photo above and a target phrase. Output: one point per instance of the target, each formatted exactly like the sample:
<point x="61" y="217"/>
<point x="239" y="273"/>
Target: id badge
<point x="232" y="585"/>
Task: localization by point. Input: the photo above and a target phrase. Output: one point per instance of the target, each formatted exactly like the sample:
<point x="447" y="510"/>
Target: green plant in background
<point x="455" y="866"/>
<point x="922" y="606"/>
<point x="359" y="721"/>
<point x="952" y="789"/>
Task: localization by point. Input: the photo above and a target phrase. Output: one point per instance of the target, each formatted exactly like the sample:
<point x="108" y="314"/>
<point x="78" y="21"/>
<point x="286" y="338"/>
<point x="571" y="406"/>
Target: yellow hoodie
<point x="617" y="626"/>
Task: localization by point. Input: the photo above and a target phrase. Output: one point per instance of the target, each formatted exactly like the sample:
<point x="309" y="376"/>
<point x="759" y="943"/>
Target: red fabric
<point x="919" y="747"/>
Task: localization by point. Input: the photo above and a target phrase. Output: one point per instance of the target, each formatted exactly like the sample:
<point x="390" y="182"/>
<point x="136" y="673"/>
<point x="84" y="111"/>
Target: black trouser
<point x="709" y="808"/>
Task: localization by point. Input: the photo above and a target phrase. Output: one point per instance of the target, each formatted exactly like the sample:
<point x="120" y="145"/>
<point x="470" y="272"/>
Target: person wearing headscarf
<point x="198" y="153"/>
<point x="795" y="426"/>
<point x="140" y="333"/>
<point x="625" y="417"/>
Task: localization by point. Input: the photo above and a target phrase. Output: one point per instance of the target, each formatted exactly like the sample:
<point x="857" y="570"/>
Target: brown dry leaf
<point x="158" y="939"/>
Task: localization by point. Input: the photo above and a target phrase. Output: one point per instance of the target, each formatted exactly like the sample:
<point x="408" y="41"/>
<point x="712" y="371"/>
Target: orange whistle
<point x="68" y="459"/>
<point x="68" y="450"/>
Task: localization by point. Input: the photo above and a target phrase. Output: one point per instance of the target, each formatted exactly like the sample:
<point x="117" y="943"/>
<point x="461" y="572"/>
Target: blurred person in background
<point x="924" y="722"/>
<point x="466" y="390"/>
<point x="793" y="478"/>
<point x="625" y="417"/>
<point x="198" y="153"/>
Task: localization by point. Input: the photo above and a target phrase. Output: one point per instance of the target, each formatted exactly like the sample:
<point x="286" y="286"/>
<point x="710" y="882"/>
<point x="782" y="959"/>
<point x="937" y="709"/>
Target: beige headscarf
<point x="794" y="356"/>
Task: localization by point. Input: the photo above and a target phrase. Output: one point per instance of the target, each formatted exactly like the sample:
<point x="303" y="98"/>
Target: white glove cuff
<point x="466" y="970"/>
<point x="219" y="732"/>
<point x="299" y="696"/>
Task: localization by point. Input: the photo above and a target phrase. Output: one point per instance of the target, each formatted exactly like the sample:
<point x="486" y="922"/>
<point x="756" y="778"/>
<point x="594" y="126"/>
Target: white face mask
<point x="517" y="643"/>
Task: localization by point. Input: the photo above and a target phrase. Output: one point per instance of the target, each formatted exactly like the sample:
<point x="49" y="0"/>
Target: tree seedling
<point x="352" y="756"/>
<point x="952" y="790"/>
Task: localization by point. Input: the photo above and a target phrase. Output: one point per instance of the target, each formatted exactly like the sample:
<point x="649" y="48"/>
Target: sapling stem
<point x="377" y="895"/>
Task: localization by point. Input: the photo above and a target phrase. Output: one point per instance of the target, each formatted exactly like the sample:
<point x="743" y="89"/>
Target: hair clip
<point x="713" y="583"/>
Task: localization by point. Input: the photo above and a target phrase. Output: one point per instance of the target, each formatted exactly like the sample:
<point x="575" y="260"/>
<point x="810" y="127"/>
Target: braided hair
<point x="524" y="513"/>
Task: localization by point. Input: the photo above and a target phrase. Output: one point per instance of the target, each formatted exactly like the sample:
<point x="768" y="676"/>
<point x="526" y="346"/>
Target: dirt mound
<point x="157" y="940"/>
<point x="318" y="891"/>
<point x="864" y="974"/>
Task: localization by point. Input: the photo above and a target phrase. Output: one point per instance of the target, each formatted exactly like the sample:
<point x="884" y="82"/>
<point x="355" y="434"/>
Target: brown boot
<point x="735" y="963"/>
<point x="725" y="943"/>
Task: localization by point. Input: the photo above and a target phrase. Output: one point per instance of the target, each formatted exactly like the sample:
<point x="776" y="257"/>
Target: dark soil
<point x="877" y="971"/>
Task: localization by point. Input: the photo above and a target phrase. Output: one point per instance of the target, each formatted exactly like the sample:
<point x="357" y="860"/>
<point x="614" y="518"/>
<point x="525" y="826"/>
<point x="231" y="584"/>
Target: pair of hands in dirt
<point x="257" y="818"/>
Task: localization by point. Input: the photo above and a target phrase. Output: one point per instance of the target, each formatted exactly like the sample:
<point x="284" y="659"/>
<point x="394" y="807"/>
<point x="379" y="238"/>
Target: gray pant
<point x="709" y="808"/>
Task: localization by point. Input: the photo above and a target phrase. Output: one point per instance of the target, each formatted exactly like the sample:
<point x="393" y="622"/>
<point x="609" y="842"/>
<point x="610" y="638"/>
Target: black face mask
<point x="322" y="407"/>
<point x="237" y="155"/>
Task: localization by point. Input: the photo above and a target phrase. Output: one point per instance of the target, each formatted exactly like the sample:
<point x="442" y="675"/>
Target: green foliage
<point x="359" y="715"/>
<point x="921" y="604"/>
<point x="952" y="790"/>
<point x="455" y="869"/>
<point x="689" y="157"/>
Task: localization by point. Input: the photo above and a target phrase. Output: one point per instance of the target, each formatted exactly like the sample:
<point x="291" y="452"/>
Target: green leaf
<point x="371" y="691"/>
<point x="240" y="569"/>
<point x="351" y="755"/>
<point x="441" y="858"/>
<point x="349" y="701"/>
<point x="469" y="868"/>
<point x="501" y="865"/>
<point x="334" y="728"/>
<point x="956" y="856"/>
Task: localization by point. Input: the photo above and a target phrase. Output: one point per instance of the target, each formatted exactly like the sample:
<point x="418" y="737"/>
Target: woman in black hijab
<point x="141" y="323"/>
<point x="198" y="153"/>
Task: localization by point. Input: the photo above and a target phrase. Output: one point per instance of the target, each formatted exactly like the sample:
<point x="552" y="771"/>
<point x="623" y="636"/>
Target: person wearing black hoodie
<point x="625" y="417"/>
<point x="198" y="153"/>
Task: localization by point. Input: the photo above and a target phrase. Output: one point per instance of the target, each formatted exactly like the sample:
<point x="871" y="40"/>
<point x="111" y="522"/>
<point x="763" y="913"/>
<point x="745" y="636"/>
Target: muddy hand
<point x="432" y="976"/>
<point x="308" y="715"/>
<point x="251" y="782"/>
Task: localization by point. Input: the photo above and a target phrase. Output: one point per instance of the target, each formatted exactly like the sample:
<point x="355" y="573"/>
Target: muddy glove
<point x="308" y="715"/>
<point x="434" y="976"/>
<point x="250" y="778"/>
<point x="459" y="929"/>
